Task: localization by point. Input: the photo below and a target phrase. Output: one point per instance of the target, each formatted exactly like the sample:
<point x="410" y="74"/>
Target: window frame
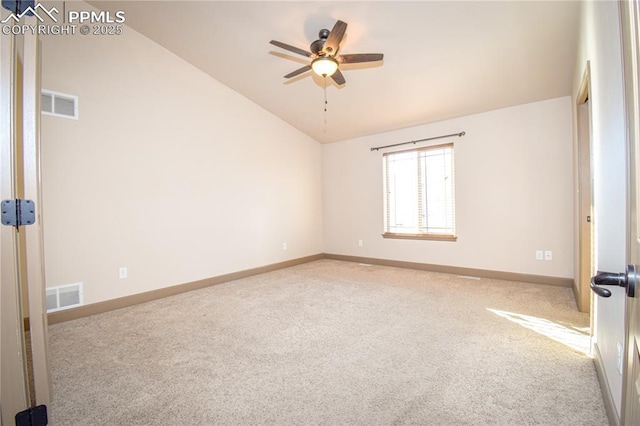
<point x="386" y="181"/>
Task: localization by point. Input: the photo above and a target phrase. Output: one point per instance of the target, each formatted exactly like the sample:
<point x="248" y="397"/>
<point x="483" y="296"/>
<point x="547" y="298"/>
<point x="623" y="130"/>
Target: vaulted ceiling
<point x="442" y="59"/>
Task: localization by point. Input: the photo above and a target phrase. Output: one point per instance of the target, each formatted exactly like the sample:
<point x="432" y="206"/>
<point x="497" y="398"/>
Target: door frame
<point x="33" y="235"/>
<point x="585" y="217"/>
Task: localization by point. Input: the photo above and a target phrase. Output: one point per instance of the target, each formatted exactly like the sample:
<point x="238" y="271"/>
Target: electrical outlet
<point x="360" y="243"/>
<point x="539" y="255"/>
<point x="284" y="246"/>
<point x="548" y="255"/>
<point x="122" y="273"/>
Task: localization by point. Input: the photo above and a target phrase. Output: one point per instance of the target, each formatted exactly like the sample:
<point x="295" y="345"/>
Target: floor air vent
<point x="64" y="297"/>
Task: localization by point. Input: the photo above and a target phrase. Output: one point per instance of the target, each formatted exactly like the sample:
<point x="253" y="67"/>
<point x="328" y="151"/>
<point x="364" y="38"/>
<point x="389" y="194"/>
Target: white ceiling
<point x="442" y="59"/>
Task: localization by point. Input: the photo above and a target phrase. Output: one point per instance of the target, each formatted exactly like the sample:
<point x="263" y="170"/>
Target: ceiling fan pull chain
<point x="325" y="94"/>
<point x="325" y="104"/>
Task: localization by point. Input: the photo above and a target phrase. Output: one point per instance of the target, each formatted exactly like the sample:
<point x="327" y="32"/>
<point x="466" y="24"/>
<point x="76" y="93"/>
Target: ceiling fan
<point x="325" y="60"/>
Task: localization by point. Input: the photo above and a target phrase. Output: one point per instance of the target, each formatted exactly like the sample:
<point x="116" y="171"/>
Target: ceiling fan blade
<point x="338" y="78"/>
<point x="291" y="48"/>
<point x="360" y="57"/>
<point x="332" y="45"/>
<point x="298" y="71"/>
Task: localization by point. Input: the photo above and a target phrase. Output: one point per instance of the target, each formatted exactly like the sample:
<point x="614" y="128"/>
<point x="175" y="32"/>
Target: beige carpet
<point x="332" y="343"/>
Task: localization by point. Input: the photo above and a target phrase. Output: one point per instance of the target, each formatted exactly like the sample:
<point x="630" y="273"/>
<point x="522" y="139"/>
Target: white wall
<point x="167" y="172"/>
<point x="513" y="192"/>
<point x="600" y="44"/>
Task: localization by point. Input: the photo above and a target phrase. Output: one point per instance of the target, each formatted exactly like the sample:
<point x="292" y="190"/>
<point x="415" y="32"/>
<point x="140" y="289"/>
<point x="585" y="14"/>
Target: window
<point x="419" y="193"/>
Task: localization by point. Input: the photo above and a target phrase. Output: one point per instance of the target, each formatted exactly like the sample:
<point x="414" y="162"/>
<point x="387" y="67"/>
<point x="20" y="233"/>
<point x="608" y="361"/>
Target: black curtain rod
<point x="461" y="134"/>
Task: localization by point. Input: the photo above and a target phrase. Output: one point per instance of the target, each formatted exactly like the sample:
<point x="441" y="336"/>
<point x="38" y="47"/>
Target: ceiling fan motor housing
<point x="317" y="46"/>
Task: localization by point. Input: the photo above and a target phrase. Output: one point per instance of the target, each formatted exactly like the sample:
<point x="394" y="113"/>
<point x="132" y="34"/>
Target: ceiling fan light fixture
<point x="324" y="66"/>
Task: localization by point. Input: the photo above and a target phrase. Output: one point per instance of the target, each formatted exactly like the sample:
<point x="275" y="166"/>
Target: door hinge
<point x="18" y="212"/>
<point x="589" y="219"/>
<point x="34" y="416"/>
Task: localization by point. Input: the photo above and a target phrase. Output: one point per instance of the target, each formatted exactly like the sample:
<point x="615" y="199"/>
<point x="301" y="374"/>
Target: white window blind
<point x="420" y="193"/>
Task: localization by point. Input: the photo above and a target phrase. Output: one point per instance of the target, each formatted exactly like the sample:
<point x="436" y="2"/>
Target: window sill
<point x="435" y="237"/>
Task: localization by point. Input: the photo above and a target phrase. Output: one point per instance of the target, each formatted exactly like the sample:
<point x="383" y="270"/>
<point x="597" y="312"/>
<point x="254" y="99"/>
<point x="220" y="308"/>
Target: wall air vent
<point x="59" y="104"/>
<point x="64" y="297"/>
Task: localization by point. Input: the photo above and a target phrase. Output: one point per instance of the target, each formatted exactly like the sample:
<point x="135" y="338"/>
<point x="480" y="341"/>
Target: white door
<point x="630" y="22"/>
<point x="22" y="292"/>
<point x="629" y="14"/>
